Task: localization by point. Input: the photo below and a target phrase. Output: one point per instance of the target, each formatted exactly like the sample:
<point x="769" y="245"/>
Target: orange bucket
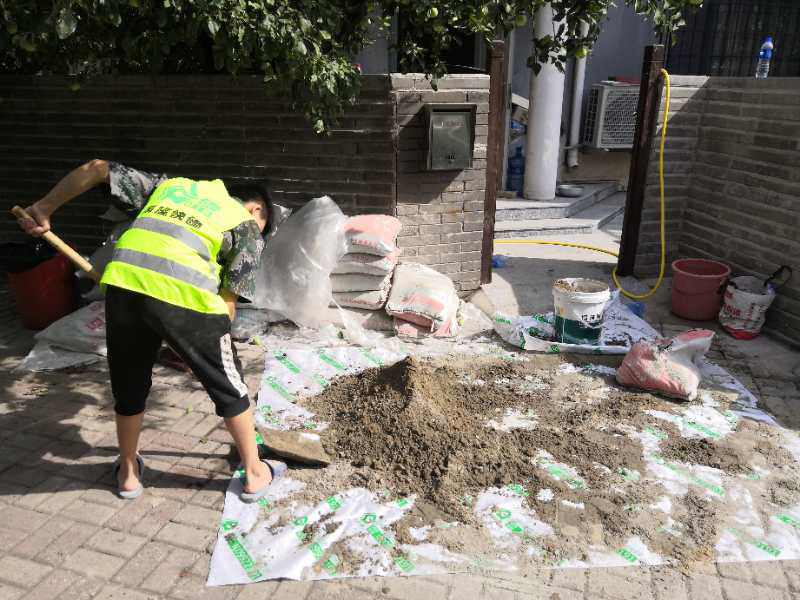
<point x="697" y="287"/>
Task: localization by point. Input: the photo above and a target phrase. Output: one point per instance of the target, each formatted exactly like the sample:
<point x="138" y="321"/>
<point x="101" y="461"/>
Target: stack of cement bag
<point x="363" y="277"/>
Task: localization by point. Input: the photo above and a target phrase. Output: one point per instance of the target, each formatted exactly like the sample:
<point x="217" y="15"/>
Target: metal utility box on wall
<point x="451" y="136"/>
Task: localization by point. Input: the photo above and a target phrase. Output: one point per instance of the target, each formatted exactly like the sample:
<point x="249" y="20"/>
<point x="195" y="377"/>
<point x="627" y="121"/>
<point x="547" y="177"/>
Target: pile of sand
<point x="421" y="428"/>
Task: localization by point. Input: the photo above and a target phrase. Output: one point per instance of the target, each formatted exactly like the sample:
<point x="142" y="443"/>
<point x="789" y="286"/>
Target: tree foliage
<point x="302" y="47"/>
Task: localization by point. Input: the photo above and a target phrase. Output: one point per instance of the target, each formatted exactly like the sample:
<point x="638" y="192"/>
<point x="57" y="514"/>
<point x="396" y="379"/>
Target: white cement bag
<point x="374" y="300"/>
<point x="667" y="366"/>
<point x="371" y="320"/>
<point x="44" y="357"/>
<point x="423" y="296"/>
<point x="293" y="277"/>
<point x="352" y="282"/>
<point x="367" y="264"/>
<point x="744" y="306"/>
<point x="82" y="331"/>
<point x="372" y="234"/>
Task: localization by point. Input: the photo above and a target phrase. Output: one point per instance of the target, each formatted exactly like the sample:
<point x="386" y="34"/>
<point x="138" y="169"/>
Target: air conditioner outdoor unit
<point x="611" y="115"/>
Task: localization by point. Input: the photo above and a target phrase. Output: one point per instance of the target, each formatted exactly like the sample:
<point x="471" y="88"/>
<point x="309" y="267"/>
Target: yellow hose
<point x="571" y="245"/>
<point x="663" y="234"/>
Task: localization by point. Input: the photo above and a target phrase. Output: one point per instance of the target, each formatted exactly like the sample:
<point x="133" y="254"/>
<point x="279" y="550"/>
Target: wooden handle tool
<point x="59" y="244"/>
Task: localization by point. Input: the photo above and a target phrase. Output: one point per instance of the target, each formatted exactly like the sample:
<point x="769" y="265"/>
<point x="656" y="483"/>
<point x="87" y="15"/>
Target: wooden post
<point x="646" y="118"/>
<point x="493" y="155"/>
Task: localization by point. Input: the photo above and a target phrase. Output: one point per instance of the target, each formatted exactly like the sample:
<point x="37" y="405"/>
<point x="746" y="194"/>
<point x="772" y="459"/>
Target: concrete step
<point x="519" y="209"/>
<point x="587" y="221"/>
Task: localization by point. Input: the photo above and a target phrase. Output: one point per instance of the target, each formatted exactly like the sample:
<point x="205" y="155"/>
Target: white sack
<point x="352" y="282"/>
<point x="82" y="331"/>
<point x="372" y="234"/>
<point x="293" y="277"/>
<point x="423" y="296"/>
<point x="374" y="300"/>
<point x="367" y="264"/>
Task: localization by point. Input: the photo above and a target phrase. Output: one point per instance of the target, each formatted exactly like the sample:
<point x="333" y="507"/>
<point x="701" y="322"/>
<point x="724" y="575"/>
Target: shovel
<point x="297" y="446"/>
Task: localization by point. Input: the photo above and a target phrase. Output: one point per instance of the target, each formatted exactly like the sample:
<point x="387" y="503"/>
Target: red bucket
<point x="697" y="286"/>
<point x="44" y="293"/>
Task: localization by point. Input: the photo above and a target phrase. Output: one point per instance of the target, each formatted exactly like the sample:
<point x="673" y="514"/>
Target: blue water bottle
<point x="516" y="172"/>
<point x="764" y="57"/>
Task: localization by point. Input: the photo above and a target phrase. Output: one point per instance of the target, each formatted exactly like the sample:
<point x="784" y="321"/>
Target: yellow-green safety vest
<point x="170" y="250"/>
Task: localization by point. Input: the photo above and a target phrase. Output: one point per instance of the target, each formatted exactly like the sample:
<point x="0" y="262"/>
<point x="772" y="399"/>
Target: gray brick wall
<point x="195" y="126"/>
<point x="682" y="138"/>
<point x="441" y="211"/>
<point x="734" y="189"/>
<point x="208" y="127"/>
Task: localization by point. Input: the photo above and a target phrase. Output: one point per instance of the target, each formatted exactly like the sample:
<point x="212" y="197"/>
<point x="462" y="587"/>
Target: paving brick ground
<point x="65" y="535"/>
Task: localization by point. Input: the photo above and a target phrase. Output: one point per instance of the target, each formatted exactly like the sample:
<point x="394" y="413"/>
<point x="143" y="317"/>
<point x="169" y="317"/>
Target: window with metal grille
<point x="723" y="38"/>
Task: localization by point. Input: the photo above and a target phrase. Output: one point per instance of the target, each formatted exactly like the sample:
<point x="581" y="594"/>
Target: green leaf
<point x="66" y="23"/>
<point x="213" y="27"/>
<point x="26" y="43"/>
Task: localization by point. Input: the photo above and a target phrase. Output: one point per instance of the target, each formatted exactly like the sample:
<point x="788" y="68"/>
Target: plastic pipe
<point x="544" y="120"/>
<point x="507" y="100"/>
<point x="579" y="76"/>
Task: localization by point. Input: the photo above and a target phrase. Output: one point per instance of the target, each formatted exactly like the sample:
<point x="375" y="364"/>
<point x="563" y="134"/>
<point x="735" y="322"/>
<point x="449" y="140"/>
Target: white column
<point x="577" y="103"/>
<point x="544" y="120"/>
<point x="507" y="99"/>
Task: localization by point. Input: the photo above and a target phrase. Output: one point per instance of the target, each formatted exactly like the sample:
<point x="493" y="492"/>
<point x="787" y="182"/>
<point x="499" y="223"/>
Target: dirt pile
<point x="421" y="428"/>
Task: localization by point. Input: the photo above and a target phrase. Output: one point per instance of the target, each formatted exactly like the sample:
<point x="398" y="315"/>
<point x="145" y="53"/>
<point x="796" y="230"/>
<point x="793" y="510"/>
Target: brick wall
<point x="682" y="138"/>
<point x="739" y="154"/>
<point x="441" y="211"/>
<point x="208" y="127"/>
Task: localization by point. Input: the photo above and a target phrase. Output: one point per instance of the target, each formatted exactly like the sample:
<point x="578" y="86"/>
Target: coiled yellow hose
<point x="663" y="217"/>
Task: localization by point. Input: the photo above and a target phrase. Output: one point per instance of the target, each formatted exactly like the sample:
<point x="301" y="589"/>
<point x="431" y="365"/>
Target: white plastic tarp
<point x="621" y="329"/>
<point x="251" y="545"/>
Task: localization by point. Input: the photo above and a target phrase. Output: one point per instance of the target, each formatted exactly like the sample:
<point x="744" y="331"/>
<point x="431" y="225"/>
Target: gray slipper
<point x="278" y="469"/>
<point x="130" y="494"/>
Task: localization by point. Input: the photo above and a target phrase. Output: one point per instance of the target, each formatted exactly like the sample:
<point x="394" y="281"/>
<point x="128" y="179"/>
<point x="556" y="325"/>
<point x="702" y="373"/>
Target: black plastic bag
<point x="18" y="257"/>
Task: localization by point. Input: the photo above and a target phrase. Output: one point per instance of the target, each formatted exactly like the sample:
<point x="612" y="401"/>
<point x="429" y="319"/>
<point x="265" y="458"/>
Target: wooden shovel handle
<point x="59" y="244"/>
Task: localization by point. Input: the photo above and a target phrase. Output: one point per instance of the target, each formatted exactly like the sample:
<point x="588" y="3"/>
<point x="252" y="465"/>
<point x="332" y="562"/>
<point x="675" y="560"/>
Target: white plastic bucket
<point x="580" y="308"/>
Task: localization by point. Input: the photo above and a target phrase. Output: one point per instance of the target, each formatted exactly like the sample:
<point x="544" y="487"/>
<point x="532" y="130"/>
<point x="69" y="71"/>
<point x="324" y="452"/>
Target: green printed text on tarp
<point x="278" y="387"/>
<point x="371" y="357"/>
<point x="561" y="474"/>
<point x="331" y="361"/>
<point x="627" y="555"/>
<point x="287" y="362"/>
<point x="789" y="520"/>
<point x="703" y="429"/>
<point x="760" y="544"/>
<point x="243" y="556"/>
<point x="386" y="541"/>
<point x="712" y="487"/>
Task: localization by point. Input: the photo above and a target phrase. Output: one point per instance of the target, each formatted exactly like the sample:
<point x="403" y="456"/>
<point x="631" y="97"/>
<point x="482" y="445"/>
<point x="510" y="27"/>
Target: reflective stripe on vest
<point x="175" y="231"/>
<point x="166" y="267"/>
<point x="170" y="250"/>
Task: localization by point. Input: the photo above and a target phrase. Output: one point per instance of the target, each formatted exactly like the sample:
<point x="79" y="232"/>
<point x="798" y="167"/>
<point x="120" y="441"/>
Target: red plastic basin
<point x="697" y="288"/>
